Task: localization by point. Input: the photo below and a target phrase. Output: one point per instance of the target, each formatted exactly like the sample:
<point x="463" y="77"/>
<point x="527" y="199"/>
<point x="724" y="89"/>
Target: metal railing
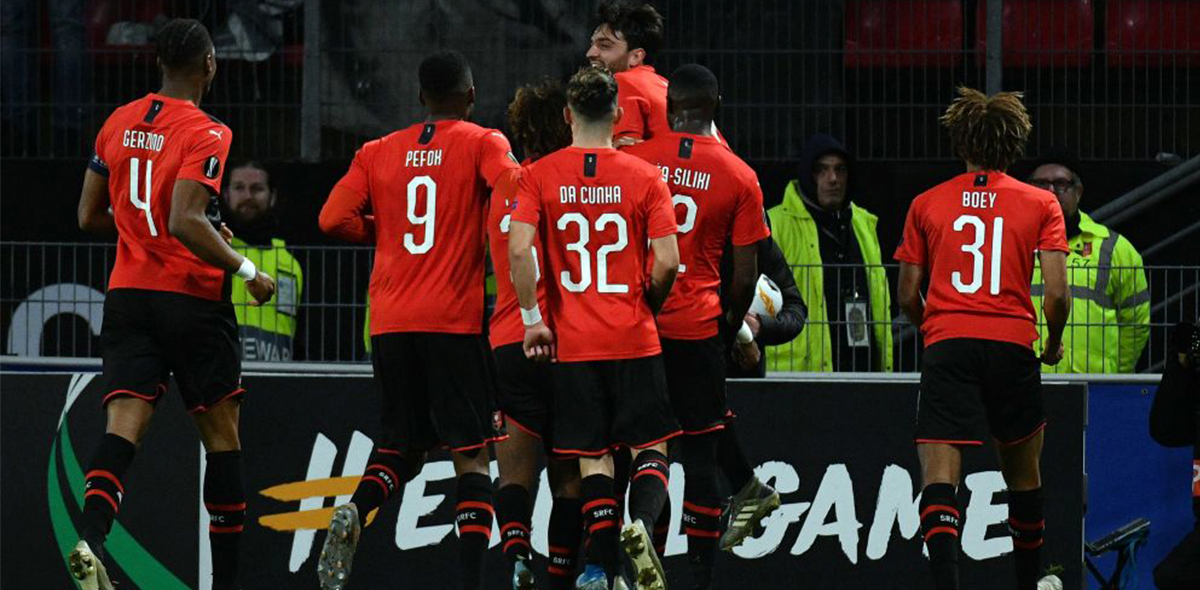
<point x="1111" y="79"/>
<point x="51" y="305"/>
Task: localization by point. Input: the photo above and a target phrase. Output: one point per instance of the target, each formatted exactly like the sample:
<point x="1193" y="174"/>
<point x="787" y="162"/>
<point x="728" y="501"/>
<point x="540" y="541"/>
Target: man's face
<point x="249" y="195"/>
<point x="609" y="49"/>
<point x="1062" y="182"/>
<point x="832" y="175"/>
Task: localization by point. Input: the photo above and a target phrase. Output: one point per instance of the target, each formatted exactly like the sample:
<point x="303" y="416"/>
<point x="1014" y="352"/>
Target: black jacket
<point x="1175" y="413"/>
<point x="786" y="325"/>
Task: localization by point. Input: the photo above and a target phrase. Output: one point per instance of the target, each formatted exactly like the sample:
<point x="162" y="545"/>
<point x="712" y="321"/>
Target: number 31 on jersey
<point x="976" y="252"/>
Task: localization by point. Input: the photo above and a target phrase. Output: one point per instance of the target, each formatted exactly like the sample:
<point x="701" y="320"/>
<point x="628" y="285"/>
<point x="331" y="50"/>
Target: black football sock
<point x="387" y="470"/>
<point x="648" y="487"/>
<point x="513" y="510"/>
<point x="103" y="490"/>
<point x="600" y="518"/>
<point x="225" y="501"/>
<point x="662" y="528"/>
<point x="474" y="516"/>
<point x="733" y="459"/>
<point x="940" y="526"/>
<point x="564" y="536"/>
<point x="701" y="506"/>
<point x="621" y="464"/>
<point x="1027" y="524"/>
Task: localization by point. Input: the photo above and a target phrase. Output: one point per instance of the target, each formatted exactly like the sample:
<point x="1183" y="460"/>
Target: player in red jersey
<point x="975" y="238"/>
<point x="598" y="214"/>
<point x="625" y="43"/>
<point x="524" y="388"/>
<point x="718" y="205"/>
<point x="420" y="195"/>
<point x="158" y="165"/>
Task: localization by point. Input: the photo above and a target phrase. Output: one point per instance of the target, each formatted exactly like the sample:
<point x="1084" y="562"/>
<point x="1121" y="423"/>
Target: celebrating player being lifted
<point x="717" y="203"/>
<point x="975" y="238"/>
<point x="524" y="387"/>
<point x="158" y="165"/>
<point x="427" y="186"/>
<point x="598" y="213"/>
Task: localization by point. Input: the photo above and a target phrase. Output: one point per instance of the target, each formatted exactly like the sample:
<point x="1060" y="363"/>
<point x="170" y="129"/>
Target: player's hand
<point x="539" y="343"/>
<point x="262" y="288"/>
<point x="226" y="234"/>
<point x="1053" y="353"/>
<point x="626" y="141"/>
<point x="747" y="355"/>
<point x="754" y="323"/>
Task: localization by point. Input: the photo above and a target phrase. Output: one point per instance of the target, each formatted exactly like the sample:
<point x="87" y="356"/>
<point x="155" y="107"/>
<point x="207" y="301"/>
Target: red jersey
<point x="717" y="201"/>
<point x="427" y="186"/>
<point x="597" y="209"/>
<point x="643" y="95"/>
<point x="977" y="235"/>
<point x="506" y="325"/>
<point x="143" y="148"/>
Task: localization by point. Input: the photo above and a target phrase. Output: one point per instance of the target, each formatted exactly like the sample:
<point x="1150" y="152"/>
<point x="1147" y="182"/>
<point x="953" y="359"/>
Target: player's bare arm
<point x="1056" y="303"/>
<point x="908" y="292"/>
<point x="662" y="274"/>
<point x="191" y="227"/>
<point x="344" y="217"/>
<point x="539" y="340"/>
<point x="745" y="276"/>
<point x="94" y="213"/>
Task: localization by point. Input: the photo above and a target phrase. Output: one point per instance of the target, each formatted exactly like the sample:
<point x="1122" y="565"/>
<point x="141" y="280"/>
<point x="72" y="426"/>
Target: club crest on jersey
<point x="212" y="167"/>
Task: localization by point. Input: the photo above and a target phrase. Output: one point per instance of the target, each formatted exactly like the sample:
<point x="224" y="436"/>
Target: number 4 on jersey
<point x="134" y="165"/>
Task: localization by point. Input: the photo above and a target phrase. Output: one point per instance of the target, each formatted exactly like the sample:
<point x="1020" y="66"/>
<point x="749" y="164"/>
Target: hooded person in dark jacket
<point x="834" y="249"/>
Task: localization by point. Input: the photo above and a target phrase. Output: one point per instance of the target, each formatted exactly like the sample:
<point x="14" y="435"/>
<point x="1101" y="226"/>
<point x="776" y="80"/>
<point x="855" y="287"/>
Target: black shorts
<point x="599" y="405"/>
<point x="437" y="391"/>
<point x="696" y="382"/>
<point x="150" y="335"/>
<point x="524" y="390"/>
<point x="965" y="381"/>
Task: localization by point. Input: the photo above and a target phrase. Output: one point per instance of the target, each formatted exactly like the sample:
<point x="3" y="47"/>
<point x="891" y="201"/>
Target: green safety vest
<point x="267" y="332"/>
<point x="795" y="231"/>
<point x="1110" y="307"/>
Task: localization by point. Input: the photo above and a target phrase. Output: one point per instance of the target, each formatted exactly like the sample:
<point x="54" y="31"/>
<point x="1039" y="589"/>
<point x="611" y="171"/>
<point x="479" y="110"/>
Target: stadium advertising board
<point x="840" y="453"/>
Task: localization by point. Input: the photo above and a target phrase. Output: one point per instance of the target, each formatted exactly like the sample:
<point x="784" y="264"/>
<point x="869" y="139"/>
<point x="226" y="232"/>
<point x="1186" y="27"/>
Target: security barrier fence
<point x="312" y="79"/>
<point x="51" y="304"/>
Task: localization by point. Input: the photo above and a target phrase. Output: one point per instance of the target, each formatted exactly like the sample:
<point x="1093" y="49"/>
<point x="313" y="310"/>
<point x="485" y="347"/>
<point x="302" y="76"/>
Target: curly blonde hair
<point x="987" y="132"/>
<point x="535" y="117"/>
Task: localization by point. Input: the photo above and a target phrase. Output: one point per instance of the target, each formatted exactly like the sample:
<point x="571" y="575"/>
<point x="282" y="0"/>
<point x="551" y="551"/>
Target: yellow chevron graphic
<point x="318" y="519"/>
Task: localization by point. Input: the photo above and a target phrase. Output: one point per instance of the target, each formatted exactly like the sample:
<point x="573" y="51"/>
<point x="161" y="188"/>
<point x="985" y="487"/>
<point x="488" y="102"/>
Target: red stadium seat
<point x="1040" y="33"/>
<point x="1154" y="33"/>
<point x="903" y="34"/>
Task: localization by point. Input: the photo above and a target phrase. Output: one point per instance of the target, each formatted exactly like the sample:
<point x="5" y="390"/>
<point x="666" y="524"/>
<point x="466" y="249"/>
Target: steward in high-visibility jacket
<point x="1110" y="307"/>
<point x="836" y="261"/>
<point x="268" y="331"/>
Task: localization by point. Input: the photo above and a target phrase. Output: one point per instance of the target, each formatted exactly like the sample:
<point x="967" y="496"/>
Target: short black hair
<point x="443" y="74"/>
<point x="182" y="44"/>
<point x="693" y="85"/>
<point x="592" y="93"/>
<point x="639" y="24"/>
